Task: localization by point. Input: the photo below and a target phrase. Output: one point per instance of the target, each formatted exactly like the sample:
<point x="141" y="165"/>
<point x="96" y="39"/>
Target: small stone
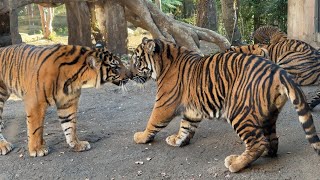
<point x="139" y="162"/>
<point x="139" y="173"/>
<point x="21" y="156"/>
<point x="163" y="174"/>
<point x="149" y="158"/>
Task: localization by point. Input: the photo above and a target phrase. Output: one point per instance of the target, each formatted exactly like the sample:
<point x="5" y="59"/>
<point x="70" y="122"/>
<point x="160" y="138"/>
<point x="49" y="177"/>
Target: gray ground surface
<point x="108" y="119"/>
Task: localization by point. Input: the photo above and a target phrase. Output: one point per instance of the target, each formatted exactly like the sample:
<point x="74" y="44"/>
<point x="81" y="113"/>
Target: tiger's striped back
<point x="296" y="57"/>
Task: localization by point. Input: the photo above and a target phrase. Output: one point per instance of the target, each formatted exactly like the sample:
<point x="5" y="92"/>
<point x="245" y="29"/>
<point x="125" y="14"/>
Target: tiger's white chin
<point x="154" y="75"/>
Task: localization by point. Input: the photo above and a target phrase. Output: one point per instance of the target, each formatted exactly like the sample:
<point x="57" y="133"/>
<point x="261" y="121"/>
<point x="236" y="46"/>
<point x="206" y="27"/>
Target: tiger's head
<point x="143" y="61"/>
<point x="112" y="69"/>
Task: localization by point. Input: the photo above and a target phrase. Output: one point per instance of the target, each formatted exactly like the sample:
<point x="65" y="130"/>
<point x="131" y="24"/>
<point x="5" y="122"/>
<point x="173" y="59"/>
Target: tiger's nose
<point x="129" y="74"/>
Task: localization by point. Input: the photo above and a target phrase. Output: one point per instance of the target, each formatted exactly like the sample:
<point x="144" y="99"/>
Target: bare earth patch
<point x="108" y="119"/>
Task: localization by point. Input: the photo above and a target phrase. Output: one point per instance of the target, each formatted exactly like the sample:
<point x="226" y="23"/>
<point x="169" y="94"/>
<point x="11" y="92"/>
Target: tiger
<point x="246" y="90"/>
<point x="269" y="35"/>
<point x="298" y="58"/>
<point x="275" y="50"/>
<point x="45" y="76"/>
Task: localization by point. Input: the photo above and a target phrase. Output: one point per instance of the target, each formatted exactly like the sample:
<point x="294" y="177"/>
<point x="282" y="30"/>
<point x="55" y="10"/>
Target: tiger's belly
<point x="14" y="97"/>
<point x="198" y="114"/>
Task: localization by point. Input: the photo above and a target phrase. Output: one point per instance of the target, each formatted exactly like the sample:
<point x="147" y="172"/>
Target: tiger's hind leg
<point x="185" y="134"/>
<point x="253" y="136"/>
<point x="35" y="124"/>
<point x="269" y="127"/>
<point x="315" y="101"/>
<point x="271" y="134"/>
<point x="5" y="146"/>
<point x="67" y="117"/>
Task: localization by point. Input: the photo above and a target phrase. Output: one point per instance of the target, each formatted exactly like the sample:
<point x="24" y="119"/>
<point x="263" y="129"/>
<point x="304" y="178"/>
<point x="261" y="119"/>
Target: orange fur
<point x="53" y="75"/>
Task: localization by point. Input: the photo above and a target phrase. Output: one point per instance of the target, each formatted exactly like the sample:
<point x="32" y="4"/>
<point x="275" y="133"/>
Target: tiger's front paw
<point x="142" y="138"/>
<point x="176" y="140"/>
<point x="39" y="152"/>
<point x="235" y="163"/>
<point x="5" y="147"/>
<point x="82" y="146"/>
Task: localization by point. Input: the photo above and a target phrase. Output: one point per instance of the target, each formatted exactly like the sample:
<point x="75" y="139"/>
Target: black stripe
<point x="37" y="129"/>
<point x="159" y="126"/>
<point x="314" y="139"/>
<point x="307" y="124"/>
<point x="67" y="129"/>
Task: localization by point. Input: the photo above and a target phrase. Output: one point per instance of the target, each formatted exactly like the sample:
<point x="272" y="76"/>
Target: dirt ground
<point x="108" y="118"/>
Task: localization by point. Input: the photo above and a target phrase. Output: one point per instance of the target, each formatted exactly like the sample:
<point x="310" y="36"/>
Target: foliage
<point x="169" y="6"/>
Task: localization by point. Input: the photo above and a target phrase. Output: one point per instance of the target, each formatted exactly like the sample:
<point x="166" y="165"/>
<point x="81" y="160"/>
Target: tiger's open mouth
<point x="120" y="82"/>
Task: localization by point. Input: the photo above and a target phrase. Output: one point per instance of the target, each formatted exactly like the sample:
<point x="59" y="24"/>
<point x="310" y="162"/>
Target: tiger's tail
<point x="296" y="96"/>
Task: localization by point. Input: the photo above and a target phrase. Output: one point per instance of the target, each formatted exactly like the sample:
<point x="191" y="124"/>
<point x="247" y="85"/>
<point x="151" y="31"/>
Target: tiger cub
<point x="247" y="91"/>
<point x="53" y="75"/>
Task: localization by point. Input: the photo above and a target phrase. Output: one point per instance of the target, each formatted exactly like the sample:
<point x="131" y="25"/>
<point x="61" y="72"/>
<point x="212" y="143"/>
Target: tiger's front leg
<point x="185" y="134"/>
<point x="67" y="117"/>
<point x="159" y="119"/>
<point x="35" y="119"/>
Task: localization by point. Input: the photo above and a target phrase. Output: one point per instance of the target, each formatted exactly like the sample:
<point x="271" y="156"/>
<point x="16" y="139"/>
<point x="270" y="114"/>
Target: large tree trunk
<point x="49" y="20"/>
<point x="207" y="14"/>
<point x="78" y="17"/>
<point x="5" y="39"/>
<point x="14" y="30"/>
<point x="43" y="20"/>
<point x="116" y="26"/>
<point x="98" y="22"/>
<point x="230" y="18"/>
<point x="188" y="8"/>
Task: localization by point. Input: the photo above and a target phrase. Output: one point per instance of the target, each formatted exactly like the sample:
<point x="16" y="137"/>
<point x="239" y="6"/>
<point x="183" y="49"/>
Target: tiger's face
<point x="142" y="62"/>
<point x="113" y="70"/>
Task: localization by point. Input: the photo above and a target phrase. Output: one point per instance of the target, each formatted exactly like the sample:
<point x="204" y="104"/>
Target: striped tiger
<point x="248" y="91"/>
<point x="269" y="35"/>
<point x="53" y="75"/>
<point x="298" y="58"/>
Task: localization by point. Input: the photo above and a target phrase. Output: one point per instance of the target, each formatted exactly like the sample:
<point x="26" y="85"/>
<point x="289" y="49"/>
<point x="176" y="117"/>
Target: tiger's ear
<point x="144" y="40"/>
<point x="149" y="48"/>
<point x="93" y="62"/>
